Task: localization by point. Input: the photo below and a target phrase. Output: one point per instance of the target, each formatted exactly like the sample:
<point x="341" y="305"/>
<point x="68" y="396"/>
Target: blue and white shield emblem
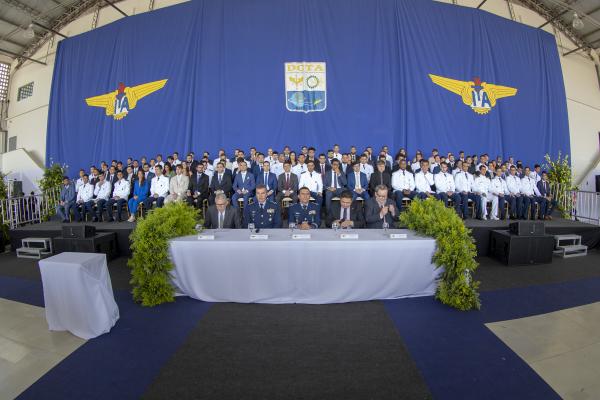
<point x="305" y="86"/>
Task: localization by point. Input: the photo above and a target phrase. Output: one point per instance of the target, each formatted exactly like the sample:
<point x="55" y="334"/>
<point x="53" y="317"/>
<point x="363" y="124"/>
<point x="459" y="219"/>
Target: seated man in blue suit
<point x="243" y="184"/>
<point x="67" y="200"/>
<point x="306" y="215"/>
<point x="263" y="213"/>
<point x="335" y="183"/>
<point x="544" y="187"/>
<point x="268" y="179"/>
<point x="358" y="182"/>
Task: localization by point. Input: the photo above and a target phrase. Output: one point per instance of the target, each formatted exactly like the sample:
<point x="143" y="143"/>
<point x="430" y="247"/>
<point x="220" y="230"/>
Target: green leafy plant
<point x="560" y="177"/>
<point x="50" y="182"/>
<point x="150" y="261"/>
<point x="455" y="251"/>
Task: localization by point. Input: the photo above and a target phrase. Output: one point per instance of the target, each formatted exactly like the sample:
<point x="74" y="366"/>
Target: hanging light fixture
<point x="577" y="22"/>
<point x="29" y="33"/>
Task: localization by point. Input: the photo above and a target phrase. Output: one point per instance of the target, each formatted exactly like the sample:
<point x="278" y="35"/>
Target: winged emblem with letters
<point x="119" y="102"/>
<point x="480" y="96"/>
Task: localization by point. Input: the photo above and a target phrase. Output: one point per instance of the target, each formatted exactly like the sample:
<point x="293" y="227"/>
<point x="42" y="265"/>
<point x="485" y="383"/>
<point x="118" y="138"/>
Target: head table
<point x="325" y="268"/>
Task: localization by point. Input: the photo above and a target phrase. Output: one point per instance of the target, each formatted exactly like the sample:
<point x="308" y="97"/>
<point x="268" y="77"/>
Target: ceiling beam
<point x="579" y="48"/>
<point x="49" y="29"/>
<point x="32" y="12"/>
<point x="557" y="16"/>
<point x="590" y="33"/>
<point x="110" y="3"/>
<point x="12" y="53"/>
<point x="482" y="3"/>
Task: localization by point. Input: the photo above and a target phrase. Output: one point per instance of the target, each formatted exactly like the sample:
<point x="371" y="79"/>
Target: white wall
<point x="27" y="119"/>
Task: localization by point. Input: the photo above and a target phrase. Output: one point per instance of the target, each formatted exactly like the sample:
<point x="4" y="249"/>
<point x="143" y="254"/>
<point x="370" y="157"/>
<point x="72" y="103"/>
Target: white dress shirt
<point x="159" y="186"/>
<point x="463" y="182"/>
<point x="86" y="193"/>
<point x="78" y="184"/>
<point x="482" y="185"/>
<point x="122" y="189"/>
<point x="528" y="187"/>
<point x="535" y="176"/>
<point x="513" y="183"/>
<point x="367" y="169"/>
<point x="403" y="180"/>
<point x="444" y="182"/>
<point x="312" y="180"/>
<point x="299" y="169"/>
<point x="498" y="186"/>
<point x="102" y="192"/>
<point x="423" y="182"/>
<point x="277" y="168"/>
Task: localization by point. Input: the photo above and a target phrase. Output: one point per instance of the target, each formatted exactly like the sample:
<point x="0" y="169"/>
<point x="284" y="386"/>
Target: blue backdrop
<point x="224" y="61"/>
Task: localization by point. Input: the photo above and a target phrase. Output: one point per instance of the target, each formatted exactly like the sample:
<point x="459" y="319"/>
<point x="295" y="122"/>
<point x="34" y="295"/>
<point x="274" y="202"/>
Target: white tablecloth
<point x="78" y="295"/>
<point x="324" y="269"/>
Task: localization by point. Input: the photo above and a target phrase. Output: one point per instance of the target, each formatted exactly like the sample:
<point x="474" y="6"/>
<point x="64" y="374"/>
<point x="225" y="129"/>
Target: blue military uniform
<point x="310" y="213"/>
<point x="266" y="217"/>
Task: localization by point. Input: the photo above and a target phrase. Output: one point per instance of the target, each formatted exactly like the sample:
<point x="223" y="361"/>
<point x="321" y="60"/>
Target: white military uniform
<point x="463" y="182"/>
<point x="122" y="189"/>
<point x="529" y="187"/>
<point x="312" y="180"/>
<point x="102" y="192"/>
<point x="444" y="182"/>
<point x="513" y="184"/>
<point x="403" y="180"/>
<point x="367" y="169"/>
<point x="482" y="186"/>
<point x="78" y="184"/>
<point x="498" y="186"/>
<point x="423" y="182"/>
<point x="159" y="186"/>
<point x="86" y="193"/>
<point x="299" y="169"/>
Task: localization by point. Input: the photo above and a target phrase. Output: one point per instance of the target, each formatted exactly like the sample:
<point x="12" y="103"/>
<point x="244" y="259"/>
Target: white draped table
<point x="78" y="295"/>
<point x="320" y="270"/>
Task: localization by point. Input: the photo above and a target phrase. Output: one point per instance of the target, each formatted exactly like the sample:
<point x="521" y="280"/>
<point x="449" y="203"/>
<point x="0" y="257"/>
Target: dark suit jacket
<point x="544" y="191"/>
<point x="357" y="214"/>
<point x="372" y="214"/>
<point x="342" y="180"/>
<point x="226" y="184"/>
<point x="293" y="182"/>
<point x="232" y="218"/>
<point x="376" y="180"/>
<point x="318" y="167"/>
<point x="364" y="183"/>
<point x="199" y="185"/>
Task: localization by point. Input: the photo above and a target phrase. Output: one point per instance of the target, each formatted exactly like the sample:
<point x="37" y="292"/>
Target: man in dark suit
<point x="334" y="182"/>
<point x="198" y="190"/>
<point x="268" y="179"/>
<point x="221" y="215"/>
<point x="346" y="213"/>
<point x="322" y="166"/>
<point x="221" y="183"/>
<point x="544" y="187"/>
<point x="306" y="215"/>
<point x="381" y="176"/>
<point x="380" y="209"/>
<point x="112" y="177"/>
<point x="287" y="183"/>
<point x="263" y="213"/>
<point x="358" y="182"/>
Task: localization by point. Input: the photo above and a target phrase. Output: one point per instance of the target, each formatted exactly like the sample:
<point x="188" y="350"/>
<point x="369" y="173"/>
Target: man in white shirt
<point x="463" y="183"/>
<point x="79" y="182"/>
<point x="424" y="181"/>
<point x="403" y="184"/>
<point x="498" y="192"/>
<point x="481" y="187"/>
<point x="536" y="174"/>
<point x="300" y="167"/>
<point x="314" y="182"/>
<point x="277" y="164"/>
<point x="336" y="152"/>
<point x="365" y="167"/>
<point x="176" y="160"/>
<point x="531" y="196"/>
<point x="120" y="195"/>
<point x="514" y="198"/>
<point x="178" y="186"/>
<point x="102" y="192"/>
<point x="445" y="188"/>
<point x="85" y="199"/>
<point x="159" y="189"/>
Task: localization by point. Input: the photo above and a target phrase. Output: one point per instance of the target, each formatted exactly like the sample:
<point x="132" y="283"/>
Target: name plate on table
<point x="349" y="236"/>
<point x="398" y="236"/>
<point x="206" y="237"/>
<point x="256" y="236"/>
<point x="301" y="236"/>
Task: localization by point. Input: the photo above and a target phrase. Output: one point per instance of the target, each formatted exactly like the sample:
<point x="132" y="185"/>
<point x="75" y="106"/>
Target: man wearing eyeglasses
<point x="380" y="209"/>
<point x="221" y="215"/>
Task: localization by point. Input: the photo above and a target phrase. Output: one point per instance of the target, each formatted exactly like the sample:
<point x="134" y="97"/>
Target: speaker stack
<point x="85" y="239"/>
<point x="525" y="242"/>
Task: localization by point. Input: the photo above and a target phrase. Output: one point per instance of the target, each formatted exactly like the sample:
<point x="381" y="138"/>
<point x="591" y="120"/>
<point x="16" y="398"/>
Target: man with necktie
<point x="304" y="214"/>
<point x="381" y="176"/>
<point x="220" y="184"/>
<point x="403" y="184"/>
<point x="347" y="213"/>
<point x="263" y="213"/>
<point x="358" y="182"/>
<point x="268" y="179"/>
<point x="198" y="190"/>
<point x="544" y="188"/>
<point x="243" y="184"/>
<point x="380" y="209"/>
<point x="287" y="183"/>
<point x="314" y="182"/>
<point x="221" y="215"/>
<point x="335" y="183"/>
<point x="445" y="187"/>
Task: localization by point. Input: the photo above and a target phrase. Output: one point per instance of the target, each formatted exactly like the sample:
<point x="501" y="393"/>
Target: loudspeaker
<point x="105" y="242"/>
<point x="78" y="231"/>
<point x="519" y="250"/>
<point x="527" y="228"/>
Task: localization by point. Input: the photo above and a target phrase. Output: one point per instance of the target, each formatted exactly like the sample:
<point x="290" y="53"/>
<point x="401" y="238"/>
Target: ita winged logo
<point x="306" y="86"/>
<point x="121" y="101"/>
<point x="480" y="96"/>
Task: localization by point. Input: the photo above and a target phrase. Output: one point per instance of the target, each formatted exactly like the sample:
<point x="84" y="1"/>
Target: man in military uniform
<point x="264" y="213"/>
<point x="306" y="215"/>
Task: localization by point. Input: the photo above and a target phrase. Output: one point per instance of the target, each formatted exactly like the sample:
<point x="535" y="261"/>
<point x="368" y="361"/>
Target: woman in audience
<point x="293" y="158"/>
<point x="140" y="192"/>
<point x="169" y="173"/>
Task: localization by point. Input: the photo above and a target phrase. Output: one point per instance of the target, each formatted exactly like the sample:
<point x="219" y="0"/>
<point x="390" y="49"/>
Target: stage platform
<point x="481" y="232"/>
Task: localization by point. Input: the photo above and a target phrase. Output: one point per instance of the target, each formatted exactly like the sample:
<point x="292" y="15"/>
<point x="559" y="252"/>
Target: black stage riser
<point x="123" y="245"/>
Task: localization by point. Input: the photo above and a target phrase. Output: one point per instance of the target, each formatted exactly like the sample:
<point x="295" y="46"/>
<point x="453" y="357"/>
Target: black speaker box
<point x="527" y="228"/>
<point x="597" y="183"/>
<point x="105" y="242"/>
<point x="520" y="250"/>
<point x="78" y="231"/>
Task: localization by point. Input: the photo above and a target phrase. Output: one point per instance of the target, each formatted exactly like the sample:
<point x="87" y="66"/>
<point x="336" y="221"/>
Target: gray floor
<point x="563" y="347"/>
